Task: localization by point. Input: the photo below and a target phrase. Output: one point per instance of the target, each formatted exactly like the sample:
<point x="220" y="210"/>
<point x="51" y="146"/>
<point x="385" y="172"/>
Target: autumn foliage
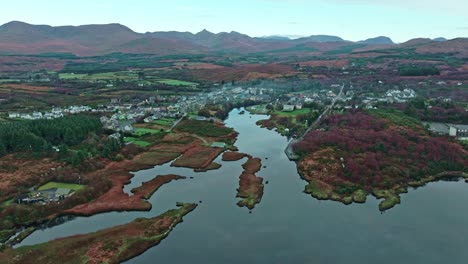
<point x="376" y="152"/>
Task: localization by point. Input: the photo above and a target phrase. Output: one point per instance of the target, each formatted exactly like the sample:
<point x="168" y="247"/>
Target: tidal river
<point x="288" y="226"/>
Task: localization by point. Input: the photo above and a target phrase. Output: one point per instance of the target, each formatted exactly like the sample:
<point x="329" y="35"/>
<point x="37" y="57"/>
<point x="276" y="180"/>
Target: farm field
<point x="293" y="113"/>
<point x="176" y="82"/>
<point x="51" y="185"/>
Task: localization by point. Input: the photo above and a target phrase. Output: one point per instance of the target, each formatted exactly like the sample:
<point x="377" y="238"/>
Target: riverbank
<point x="112" y="245"/>
<point x="104" y="178"/>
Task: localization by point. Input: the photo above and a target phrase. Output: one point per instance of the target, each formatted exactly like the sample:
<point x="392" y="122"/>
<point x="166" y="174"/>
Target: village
<point x="120" y="116"/>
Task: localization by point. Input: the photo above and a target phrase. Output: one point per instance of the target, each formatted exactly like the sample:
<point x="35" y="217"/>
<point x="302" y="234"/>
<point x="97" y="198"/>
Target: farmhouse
<point x="453" y="130"/>
<point x="459" y="131"/>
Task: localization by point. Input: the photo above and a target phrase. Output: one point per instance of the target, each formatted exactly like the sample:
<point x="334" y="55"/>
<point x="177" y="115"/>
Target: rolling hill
<point x="20" y="38"/>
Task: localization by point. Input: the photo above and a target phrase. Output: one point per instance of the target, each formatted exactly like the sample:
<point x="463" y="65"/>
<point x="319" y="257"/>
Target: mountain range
<point x="88" y="40"/>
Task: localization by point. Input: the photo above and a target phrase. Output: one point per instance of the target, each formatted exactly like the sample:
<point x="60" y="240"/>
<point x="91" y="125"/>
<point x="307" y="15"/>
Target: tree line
<point x="42" y="135"/>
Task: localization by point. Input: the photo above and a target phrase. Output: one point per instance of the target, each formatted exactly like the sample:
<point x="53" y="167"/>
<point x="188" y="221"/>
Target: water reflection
<point x="289" y="226"/>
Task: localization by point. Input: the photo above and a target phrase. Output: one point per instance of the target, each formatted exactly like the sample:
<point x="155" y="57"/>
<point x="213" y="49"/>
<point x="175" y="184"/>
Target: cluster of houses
<point x="391" y="96"/>
<point x="399" y="96"/>
<point x="44" y="196"/>
<point x="295" y="101"/>
<point x="54" y="113"/>
<point x="458" y="131"/>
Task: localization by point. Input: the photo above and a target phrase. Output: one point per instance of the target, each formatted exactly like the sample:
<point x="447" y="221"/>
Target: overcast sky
<point x="350" y="19"/>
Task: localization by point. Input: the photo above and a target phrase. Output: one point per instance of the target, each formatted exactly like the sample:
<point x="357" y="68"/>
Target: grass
<point x="122" y="75"/>
<point x="9" y="80"/>
<point x="316" y="192"/>
<point x="6" y="203"/>
<point x="136" y="141"/>
<point x="203" y="128"/>
<point x="51" y="185"/>
<point x="141" y="143"/>
<point x="176" y="82"/>
<point x="389" y="202"/>
<point x="359" y="196"/>
<point x="397" y="117"/>
<point x="257" y="109"/>
<point x="293" y="113"/>
<point x="143" y="131"/>
<point x="164" y="122"/>
<point x="129" y="139"/>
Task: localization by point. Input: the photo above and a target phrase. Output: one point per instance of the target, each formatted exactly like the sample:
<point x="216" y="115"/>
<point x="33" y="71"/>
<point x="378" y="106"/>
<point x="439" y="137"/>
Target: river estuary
<point x="288" y="226"/>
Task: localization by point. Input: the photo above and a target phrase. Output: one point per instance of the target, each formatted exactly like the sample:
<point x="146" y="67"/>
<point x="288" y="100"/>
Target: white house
<point x="288" y="108"/>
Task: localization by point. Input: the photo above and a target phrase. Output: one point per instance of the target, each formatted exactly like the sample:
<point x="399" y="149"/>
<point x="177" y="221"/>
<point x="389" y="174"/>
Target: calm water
<point x="288" y="226"/>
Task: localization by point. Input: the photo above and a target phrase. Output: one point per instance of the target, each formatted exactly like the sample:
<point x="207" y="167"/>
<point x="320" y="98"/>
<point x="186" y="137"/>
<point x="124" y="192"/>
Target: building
<point x="288" y="108"/>
<point x="218" y="145"/>
<point x="13" y="115"/>
<point x="453" y="130"/>
<point x="458" y="131"/>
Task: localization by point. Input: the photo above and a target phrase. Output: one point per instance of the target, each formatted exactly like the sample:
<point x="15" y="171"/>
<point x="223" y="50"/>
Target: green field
<point x="293" y="113"/>
<point x="143" y="131"/>
<point x="51" y="185"/>
<point x="164" y="122"/>
<point x="257" y="109"/>
<point x="136" y="141"/>
<point x="176" y="82"/>
<point x="397" y="117"/>
<point x="122" y="75"/>
<point x="203" y="128"/>
<point x="141" y="143"/>
<point x="9" y="80"/>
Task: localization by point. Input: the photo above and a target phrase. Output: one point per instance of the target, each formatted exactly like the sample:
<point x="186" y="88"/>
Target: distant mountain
<point x="320" y="38"/>
<point x="89" y="40"/>
<point x="20" y="37"/>
<point x="416" y="42"/>
<point x="382" y="40"/>
<point x="274" y="37"/>
<point x="440" y="39"/>
<point x="458" y="46"/>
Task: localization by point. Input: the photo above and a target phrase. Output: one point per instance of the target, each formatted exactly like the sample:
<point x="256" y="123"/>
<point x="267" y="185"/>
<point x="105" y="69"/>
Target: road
<point x="176" y="123"/>
<point x="289" y="151"/>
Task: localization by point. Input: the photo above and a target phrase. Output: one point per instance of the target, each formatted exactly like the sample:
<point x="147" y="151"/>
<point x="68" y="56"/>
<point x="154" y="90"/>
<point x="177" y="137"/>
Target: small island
<point x="250" y="185"/>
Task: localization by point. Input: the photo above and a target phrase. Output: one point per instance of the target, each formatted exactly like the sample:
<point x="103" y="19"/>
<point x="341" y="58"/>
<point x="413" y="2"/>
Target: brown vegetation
<point x="147" y="189"/>
<point x="17" y="172"/>
<point x="233" y="156"/>
<point x="115" y="199"/>
<point x="197" y="157"/>
<point x="250" y="186"/>
<point x="357" y="154"/>
<point x="112" y="245"/>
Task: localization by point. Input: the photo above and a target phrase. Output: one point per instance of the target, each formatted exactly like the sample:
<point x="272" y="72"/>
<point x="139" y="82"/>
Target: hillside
<point x="89" y="40"/>
<point x="378" y="40"/>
